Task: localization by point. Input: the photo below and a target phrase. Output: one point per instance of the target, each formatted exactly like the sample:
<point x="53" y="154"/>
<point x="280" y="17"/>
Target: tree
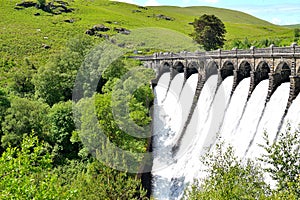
<point x="229" y="178"/>
<point x="25" y="173"/>
<point x="296" y="34"/>
<point x="62" y="125"/>
<point x="54" y="82"/>
<point x="282" y="158"/>
<point x="209" y="31"/>
<point x="23" y="117"/>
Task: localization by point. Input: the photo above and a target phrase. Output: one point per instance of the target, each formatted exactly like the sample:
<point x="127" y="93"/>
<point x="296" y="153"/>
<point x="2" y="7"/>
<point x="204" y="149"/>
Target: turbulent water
<point x="237" y="119"/>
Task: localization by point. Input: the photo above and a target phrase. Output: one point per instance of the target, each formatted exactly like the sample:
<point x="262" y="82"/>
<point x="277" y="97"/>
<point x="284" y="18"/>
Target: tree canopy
<point x="209" y="31"/>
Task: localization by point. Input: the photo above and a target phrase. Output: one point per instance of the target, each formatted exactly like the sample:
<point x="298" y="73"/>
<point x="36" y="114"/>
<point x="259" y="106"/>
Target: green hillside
<point x="22" y="34"/>
<point x="292" y="26"/>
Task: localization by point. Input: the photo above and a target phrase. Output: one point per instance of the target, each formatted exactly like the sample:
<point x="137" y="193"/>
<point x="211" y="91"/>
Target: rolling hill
<point x="24" y="32"/>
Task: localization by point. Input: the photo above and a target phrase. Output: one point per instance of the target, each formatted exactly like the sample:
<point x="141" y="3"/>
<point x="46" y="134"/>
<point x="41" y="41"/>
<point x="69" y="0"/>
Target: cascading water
<point x="235" y="111"/>
<point x="235" y="119"/>
<point x="244" y="132"/>
<point x="271" y="118"/>
<point x="293" y="117"/>
<point x="167" y="123"/>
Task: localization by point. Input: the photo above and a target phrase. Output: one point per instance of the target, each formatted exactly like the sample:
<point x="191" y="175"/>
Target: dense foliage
<point x="230" y="178"/>
<point x="209" y="31"/>
<point x="42" y="153"/>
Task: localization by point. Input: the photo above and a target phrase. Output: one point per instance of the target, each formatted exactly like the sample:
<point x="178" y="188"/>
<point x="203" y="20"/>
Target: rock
<point x="100" y="27"/>
<point x="105" y="36"/>
<point x="27" y="4"/>
<point x="18" y="8"/>
<point x="136" y="11"/>
<point x="90" y="32"/>
<point x="69" y="20"/>
<point x="142" y="7"/>
<point x="45" y="46"/>
<point x="122" y="31"/>
<point x="161" y="16"/>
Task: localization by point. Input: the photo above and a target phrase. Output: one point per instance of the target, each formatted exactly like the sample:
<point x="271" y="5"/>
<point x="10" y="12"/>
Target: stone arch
<point x="192" y="69"/>
<point x="245" y="69"/>
<point x="165" y="67"/>
<point x="284" y="70"/>
<point x="211" y="69"/>
<point x="178" y="67"/>
<point x="227" y="69"/>
<point x="262" y="70"/>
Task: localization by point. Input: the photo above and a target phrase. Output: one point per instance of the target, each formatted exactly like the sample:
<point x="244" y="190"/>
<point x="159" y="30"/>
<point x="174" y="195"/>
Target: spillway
<point x="239" y="119"/>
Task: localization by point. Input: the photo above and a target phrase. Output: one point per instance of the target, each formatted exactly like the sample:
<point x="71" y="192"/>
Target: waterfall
<point x="168" y="120"/>
<point x="270" y="120"/>
<point x="236" y="119"/>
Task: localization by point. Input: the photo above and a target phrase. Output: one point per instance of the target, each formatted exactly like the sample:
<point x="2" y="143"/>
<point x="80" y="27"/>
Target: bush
<point x="25" y="173"/>
<point x="283" y="159"/>
<point x="228" y="178"/>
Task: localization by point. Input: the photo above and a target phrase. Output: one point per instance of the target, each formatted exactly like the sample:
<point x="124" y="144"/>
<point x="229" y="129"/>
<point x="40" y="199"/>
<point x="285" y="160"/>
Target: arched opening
<point x="227" y="70"/>
<point x="192" y="69"/>
<point x="245" y="69"/>
<point x="285" y="71"/>
<point x="211" y="69"/>
<point x="178" y="67"/>
<point x="262" y="71"/>
<point x="165" y="68"/>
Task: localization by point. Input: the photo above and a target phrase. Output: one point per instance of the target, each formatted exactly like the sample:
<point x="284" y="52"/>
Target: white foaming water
<point x="215" y="116"/>
<point x="234" y="111"/>
<point x="270" y="120"/>
<point x="161" y="89"/>
<point x="245" y="131"/>
<point x="170" y="104"/>
<point x="169" y="117"/>
<point x="197" y="138"/>
<point x="188" y="165"/>
<point x="293" y="117"/>
<point x="185" y="103"/>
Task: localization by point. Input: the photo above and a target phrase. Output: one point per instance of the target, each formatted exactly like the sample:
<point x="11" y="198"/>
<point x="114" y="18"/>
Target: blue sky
<point x="281" y="12"/>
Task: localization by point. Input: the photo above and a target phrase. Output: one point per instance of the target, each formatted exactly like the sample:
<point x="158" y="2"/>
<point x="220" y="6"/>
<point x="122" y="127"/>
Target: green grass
<point x="22" y="34"/>
<point x="292" y="26"/>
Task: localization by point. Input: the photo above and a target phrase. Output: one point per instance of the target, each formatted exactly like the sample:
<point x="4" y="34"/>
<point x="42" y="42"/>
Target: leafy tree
<point x="62" y="125"/>
<point x="228" y="178"/>
<point x="4" y="105"/>
<point x="22" y="79"/>
<point x="296" y="34"/>
<point x="54" y="82"/>
<point x="102" y="182"/>
<point x="209" y="31"/>
<point x="22" y="117"/>
<point x="25" y="173"/>
<point x="283" y="158"/>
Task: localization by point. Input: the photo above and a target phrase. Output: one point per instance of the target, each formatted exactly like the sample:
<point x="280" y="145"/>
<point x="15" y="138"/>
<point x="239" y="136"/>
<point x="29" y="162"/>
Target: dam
<point x="200" y="97"/>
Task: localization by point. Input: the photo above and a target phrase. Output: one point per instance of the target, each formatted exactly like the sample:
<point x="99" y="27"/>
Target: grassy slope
<point x="292" y="26"/>
<point x="22" y="33"/>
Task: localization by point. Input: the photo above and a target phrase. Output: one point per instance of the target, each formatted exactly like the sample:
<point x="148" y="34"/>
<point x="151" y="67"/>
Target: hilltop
<point x="36" y="34"/>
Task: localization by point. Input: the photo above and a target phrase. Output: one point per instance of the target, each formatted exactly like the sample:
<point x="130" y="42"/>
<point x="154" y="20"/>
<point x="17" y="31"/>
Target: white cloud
<point x="152" y="3"/>
<point x="208" y="1"/>
<point x="276" y="21"/>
